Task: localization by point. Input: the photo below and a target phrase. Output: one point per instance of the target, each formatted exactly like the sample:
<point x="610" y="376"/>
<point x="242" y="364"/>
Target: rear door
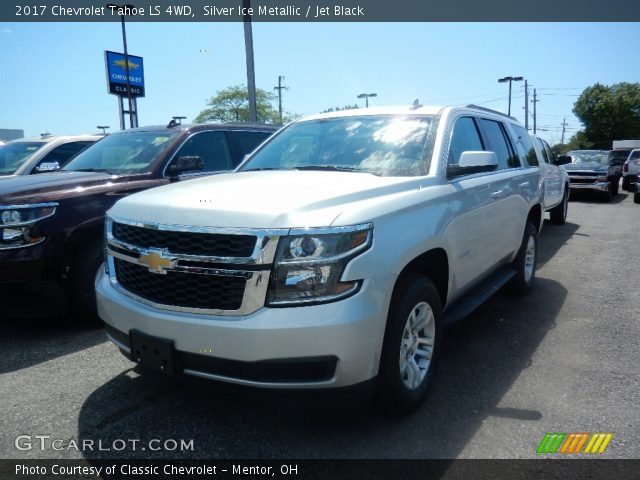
<point x="470" y="231"/>
<point x="506" y="208"/>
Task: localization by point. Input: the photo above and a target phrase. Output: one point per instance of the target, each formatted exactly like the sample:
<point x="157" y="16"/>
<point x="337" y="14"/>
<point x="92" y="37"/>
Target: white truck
<point x="630" y="166"/>
<point x="333" y="256"/>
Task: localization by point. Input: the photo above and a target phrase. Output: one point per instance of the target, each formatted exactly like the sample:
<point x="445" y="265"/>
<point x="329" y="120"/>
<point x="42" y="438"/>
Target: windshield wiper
<point x="87" y="170"/>
<point x="335" y="168"/>
<point x="260" y="169"/>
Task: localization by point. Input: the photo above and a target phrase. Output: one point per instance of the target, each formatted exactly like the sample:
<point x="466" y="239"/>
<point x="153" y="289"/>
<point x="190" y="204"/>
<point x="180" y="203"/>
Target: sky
<point x="52" y="75"/>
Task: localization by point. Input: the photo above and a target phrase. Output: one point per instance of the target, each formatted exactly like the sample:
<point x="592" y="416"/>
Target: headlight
<point x="17" y="222"/>
<point x="309" y="265"/>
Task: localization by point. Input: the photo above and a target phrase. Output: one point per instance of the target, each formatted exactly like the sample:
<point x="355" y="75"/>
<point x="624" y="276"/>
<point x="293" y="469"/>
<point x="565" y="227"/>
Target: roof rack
<point x="485" y="109"/>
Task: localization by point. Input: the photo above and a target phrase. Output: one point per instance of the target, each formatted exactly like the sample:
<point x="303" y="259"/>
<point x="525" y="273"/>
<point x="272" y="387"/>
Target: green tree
<point x="608" y="113"/>
<point x="338" y="109"/>
<point x="232" y="105"/>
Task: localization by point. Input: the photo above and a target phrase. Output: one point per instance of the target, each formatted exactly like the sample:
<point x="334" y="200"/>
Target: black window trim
<point x="450" y="137"/>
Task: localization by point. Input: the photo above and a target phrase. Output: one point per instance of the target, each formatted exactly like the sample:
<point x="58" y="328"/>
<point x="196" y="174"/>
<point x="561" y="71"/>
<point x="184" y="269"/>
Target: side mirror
<point x="473" y="162"/>
<point x="563" y="160"/>
<point x="185" y="164"/>
<point x="47" y="167"/>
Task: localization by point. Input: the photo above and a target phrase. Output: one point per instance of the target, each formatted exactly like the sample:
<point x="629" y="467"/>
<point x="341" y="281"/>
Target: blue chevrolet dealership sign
<point x="117" y="74"/>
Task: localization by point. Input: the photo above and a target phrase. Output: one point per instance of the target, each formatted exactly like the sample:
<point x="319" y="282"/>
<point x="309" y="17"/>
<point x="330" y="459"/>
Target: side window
<point x="549" y="152"/>
<point x="545" y="154"/>
<point x="498" y="143"/>
<point x="465" y="137"/>
<point x="524" y="146"/>
<point x="65" y="152"/>
<point x="248" y="141"/>
<point x="211" y="146"/>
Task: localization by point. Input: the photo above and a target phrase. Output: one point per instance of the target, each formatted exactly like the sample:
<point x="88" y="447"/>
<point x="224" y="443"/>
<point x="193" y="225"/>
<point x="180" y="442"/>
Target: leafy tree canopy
<point x="232" y="105"/>
<point x="608" y="113"/>
<point x="338" y="109"/>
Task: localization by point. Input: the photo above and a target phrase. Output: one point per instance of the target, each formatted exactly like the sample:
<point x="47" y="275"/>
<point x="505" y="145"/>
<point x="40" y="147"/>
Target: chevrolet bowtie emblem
<point x="157" y="262"/>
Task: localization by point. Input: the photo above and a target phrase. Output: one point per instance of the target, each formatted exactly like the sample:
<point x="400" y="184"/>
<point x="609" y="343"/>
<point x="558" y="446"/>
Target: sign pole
<point x="126" y="68"/>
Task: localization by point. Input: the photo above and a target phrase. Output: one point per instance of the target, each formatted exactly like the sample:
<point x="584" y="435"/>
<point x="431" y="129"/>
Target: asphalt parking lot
<point x="565" y="358"/>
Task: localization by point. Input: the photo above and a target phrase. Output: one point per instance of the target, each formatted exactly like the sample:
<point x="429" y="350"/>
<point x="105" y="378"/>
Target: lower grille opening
<point x="214" y="292"/>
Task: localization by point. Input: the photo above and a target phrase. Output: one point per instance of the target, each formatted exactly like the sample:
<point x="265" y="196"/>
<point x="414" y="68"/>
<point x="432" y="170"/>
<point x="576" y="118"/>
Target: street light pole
<point x="510" y="79"/>
<point x="366" y="97"/>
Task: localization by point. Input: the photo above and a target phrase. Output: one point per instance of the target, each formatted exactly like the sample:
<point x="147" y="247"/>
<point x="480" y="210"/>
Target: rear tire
<point x="626" y="184"/>
<point x="636" y="197"/>
<point x="558" y="214"/>
<point x="525" y="262"/>
<point x="83" y="294"/>
<point x="411" y="345"/>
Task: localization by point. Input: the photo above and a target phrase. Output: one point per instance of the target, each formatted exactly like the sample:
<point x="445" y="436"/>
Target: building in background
<point x="8" y="134"/>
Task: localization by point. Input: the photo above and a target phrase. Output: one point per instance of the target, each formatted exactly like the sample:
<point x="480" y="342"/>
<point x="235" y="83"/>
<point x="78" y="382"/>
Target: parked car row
<point x="52" y="224"/>
<point x="330" y="257"/>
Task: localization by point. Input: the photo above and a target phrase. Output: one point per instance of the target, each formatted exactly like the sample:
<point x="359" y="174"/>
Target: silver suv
<point x="332" y="257"/>
<point x="46" y="153"/>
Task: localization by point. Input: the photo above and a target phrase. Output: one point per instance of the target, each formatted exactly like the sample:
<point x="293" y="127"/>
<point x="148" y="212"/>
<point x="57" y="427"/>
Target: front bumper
<point x="599" y="186"/>
<point x="322" y="346"/>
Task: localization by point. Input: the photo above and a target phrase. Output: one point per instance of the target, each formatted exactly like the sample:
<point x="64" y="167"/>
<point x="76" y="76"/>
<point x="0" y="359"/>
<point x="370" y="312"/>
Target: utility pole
<point x="526" y="105"/>
<point x="564" y="125"/>
<point x="534" y="110"/>
<point x="251" y="75"/>
<point x="280" y="87"/>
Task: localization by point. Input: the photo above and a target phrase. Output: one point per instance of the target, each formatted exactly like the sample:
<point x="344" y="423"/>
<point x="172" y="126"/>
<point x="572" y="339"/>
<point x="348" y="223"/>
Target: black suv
<point x="593" y="170"/>
<point x="51" y="225"/>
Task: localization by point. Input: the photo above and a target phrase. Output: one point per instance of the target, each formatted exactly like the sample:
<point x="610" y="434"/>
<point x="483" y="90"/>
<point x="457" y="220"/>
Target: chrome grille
<point x="181" y="289"/>
<point x="206" y="270"/>
<point x="189" y="243"/>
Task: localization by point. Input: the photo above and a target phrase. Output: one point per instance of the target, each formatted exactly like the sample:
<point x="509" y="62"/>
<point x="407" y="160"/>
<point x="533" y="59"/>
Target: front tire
<point x="525" y="262"/>
<point x="636" y="197"/>
<point x="558" y="214"/>
<point x="411" y="345"/>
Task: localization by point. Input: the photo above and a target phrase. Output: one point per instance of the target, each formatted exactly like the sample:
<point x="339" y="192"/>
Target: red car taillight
<point x="625" y="168"/>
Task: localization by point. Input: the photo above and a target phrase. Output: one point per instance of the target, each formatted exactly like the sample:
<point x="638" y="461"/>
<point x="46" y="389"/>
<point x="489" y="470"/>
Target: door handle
<point x="523" y="185"/>
<point x="497" y="194"/>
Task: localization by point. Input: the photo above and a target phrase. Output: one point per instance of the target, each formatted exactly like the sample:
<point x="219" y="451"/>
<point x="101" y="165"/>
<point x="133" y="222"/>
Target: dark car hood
<point x="590" y="167"/>
<point x="47" y="187"/>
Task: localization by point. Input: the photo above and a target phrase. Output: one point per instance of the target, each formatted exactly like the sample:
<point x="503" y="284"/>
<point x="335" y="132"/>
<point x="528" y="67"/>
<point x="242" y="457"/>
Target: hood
<point x="267" y="199"/>
<point x="45" y="187"/>
<point x="586" y="167"/>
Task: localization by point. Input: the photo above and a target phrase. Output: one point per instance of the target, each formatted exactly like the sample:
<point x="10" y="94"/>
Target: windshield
<point x="132" y="152"/>
<point x="588" y="157"/>
<point x="619" y="155"/>
<point x="13" y="155"/>
<point x="387" y="145"/>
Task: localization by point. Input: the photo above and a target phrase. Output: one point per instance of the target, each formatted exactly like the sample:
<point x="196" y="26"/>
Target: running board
<point x="478" y="295"/>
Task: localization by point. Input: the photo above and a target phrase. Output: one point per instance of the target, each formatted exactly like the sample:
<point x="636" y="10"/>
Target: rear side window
<point x="248" y="141"/>
<point x="525" y="146"/>
<point x="499" y="144"/>
<point x="212" y="147"/>
<point x="545" y="155"/>
<point x="63" y="153"/>
<point x="465" y="137"/>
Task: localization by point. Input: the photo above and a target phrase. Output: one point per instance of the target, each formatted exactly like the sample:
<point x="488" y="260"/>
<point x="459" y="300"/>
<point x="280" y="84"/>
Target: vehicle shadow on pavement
<point x="591" y="197"/>
<point x="482" y="357"/>
<point x="25" y="342"/>
<point x="553" y="238"/>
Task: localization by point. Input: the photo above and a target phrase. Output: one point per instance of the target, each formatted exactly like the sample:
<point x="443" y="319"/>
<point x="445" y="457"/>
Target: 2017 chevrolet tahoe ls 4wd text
<point x="333" y="256"/>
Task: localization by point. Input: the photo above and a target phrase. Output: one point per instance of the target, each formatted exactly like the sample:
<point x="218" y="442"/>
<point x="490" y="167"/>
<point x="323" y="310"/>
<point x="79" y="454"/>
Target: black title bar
<point x="324" y="11"/>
